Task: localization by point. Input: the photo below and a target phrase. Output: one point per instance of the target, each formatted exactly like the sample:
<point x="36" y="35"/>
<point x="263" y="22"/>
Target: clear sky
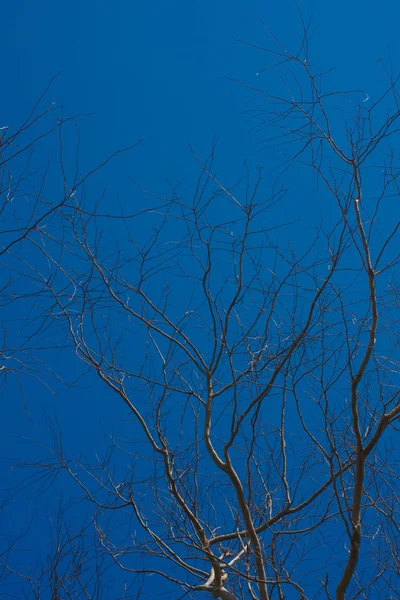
<point x="155" y="69"/>
<point x="158" y="70"/>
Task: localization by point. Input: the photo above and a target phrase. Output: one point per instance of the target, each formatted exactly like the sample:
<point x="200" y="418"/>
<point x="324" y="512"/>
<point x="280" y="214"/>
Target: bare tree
<point x="26" y="209"/>
<point x="31" y="155"/>
<point x="72" y="568"/>
<point x="259" y="367"/>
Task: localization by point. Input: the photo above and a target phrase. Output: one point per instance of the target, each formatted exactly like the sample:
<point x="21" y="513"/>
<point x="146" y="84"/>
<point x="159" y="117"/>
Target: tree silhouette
<point x="259" y="368"/>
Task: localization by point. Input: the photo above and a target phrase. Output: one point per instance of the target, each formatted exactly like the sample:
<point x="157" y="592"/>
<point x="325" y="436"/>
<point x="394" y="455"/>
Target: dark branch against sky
<point x="167" y="74"/>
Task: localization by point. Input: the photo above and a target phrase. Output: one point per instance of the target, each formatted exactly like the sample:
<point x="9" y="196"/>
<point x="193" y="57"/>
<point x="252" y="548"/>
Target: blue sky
<point x="158" y="70"/>
<point x="155" y="69"/>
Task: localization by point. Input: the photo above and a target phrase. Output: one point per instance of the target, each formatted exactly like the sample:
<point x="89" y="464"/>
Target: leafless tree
<point x="31" y="154"/>
<point x="259" y="366"/>
<point x="26" y="209"/>
<point x="71" y="568"/>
